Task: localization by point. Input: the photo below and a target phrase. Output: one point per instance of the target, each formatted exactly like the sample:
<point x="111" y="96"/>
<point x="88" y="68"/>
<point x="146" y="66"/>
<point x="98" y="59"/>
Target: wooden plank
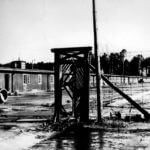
<point x="31" y="120"/>
<point x="70" y="49"/>
<point x="129" y="99"/>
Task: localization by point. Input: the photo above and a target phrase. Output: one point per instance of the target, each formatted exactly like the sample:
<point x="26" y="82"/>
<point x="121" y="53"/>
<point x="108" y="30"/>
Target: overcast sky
<point x="30" y="28"/>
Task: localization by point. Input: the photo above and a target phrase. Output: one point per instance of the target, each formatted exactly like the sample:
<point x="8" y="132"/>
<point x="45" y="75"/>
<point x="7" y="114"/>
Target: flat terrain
<point x="20" y="126"/>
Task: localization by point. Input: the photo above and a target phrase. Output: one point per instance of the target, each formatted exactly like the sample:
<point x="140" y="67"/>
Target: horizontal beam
<point x="23" y="71"/>
<point x="71" y="49"/>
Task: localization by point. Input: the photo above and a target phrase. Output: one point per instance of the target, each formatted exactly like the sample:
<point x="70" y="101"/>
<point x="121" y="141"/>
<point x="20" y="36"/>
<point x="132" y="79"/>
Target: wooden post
<point x="84" y="102"/>
<point x="57" y="89"/>
<point x="74" y="101"/>
<point x="12" y="87"/>
<point x="99" y="105"/>
<point x="48" y="83"/>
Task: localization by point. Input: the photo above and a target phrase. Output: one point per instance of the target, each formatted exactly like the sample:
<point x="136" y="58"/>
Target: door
<point x="7" y="82"/>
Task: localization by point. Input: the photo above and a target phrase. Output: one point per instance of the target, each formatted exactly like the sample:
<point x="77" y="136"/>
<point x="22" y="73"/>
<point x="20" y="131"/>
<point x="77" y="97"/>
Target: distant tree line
<point x="113" y="63"/>
<point x="118" y="64"/>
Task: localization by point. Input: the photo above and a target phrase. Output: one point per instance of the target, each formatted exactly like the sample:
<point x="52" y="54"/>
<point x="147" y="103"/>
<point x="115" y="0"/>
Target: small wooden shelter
<point x="72" y="74"/>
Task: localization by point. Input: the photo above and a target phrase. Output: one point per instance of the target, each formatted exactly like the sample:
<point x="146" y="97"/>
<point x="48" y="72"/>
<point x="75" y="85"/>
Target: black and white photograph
<point x="74" y="74"/>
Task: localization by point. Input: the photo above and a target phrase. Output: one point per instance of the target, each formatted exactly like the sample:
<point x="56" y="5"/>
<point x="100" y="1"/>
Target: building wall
<point x="2" y="84"/>
<point x="44" y="85"/>
<point x="51" y="81"/>
<point x="35" y="82"/>
<point x="18" y="82"/>
<point x="45" y="82"/>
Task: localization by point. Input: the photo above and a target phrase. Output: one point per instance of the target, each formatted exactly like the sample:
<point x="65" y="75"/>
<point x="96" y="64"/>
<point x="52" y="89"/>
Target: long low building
<point x="16" y="78"/>
<point x="24" y="80"/>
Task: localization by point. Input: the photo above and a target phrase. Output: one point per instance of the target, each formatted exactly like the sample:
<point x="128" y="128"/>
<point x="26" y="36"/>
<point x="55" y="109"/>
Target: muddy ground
<point x="19" y="131"/>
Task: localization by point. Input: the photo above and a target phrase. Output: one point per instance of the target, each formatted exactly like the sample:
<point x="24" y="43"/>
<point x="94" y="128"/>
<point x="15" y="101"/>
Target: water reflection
<point x="81" y="140"/>
<point x="97" y="140"/>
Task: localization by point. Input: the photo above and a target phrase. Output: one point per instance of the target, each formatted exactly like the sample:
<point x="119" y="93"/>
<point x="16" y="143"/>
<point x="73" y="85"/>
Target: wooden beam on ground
<point x="129" y="99"/>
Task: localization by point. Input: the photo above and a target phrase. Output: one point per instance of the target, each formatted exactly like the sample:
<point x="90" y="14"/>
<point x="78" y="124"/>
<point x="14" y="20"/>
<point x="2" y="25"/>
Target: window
<point x="23" y="65"/>
<point x="26" y="79"/>
<point x="39" y="79"/>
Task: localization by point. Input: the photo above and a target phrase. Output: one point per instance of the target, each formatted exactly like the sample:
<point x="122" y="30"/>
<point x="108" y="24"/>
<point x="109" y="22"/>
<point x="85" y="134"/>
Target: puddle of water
<point x="97" y="140"/>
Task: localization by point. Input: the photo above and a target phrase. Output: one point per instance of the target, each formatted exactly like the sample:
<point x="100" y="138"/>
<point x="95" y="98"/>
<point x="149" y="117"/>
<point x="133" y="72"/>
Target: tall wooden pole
<point x="97" y="63"/>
